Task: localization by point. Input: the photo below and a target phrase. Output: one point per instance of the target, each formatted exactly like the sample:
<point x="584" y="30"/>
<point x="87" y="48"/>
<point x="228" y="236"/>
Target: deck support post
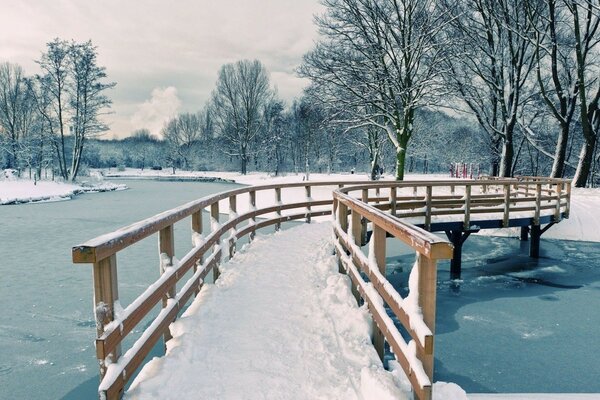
<point x="457" y="237"/>
<point x="524" y="233"/>
<point x="534" y="245"/>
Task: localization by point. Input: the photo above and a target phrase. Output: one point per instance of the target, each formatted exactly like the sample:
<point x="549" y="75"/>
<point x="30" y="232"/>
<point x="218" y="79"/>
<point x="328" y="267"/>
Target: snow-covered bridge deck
<point x="280" y="322"/>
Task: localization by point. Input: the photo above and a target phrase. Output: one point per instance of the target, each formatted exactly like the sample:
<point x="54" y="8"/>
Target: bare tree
<point x="238" y="102"/>
<point x="386" y="55"/>
<point x="492" y="60"/>
<point x="70" y="97"/>
<point x="13" y="110"/>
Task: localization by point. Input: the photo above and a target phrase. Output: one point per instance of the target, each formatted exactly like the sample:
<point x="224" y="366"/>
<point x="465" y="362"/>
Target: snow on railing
<point x="541" y="197"/>
<point x="223" y="230"/>
<point x="412" y="206"/>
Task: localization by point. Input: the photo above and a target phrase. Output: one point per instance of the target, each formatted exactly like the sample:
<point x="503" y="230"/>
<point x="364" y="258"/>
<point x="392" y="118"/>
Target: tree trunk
<point x="558" y="165"/>
<point x="400" y="158"/>
<point x="585" y="161"/>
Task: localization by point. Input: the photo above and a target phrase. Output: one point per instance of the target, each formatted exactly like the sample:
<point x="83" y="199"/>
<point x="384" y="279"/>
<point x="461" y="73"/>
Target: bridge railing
<point x="416" y="202"/>
<point x="360" y="209"/>
<point x="228" y="224"/>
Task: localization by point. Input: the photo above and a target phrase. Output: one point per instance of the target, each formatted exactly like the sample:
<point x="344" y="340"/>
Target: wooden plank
<point x="166" y="247"/>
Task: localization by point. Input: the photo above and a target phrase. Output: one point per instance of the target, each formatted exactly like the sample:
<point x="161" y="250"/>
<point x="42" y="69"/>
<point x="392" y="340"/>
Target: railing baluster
<point x="166" y="250"/>
<point x="558" y="195"/>
<point x="379" y="247"/>
<point x="253" y="208"/>
<point x="197" y="234"/>
<point x="393" y="200"/>
<point x="214" y="216"/>
<point x="232" y="214"/>
<point x="428" y="197"/>
<point x="308" y="199"/>
<point x="278" y="203"/>
<point x="106" y="293"/>
<point x="506" y="205"/>
<point x="427" y="299"/>
<point x="467" y="223"/>
<point x="568" y="205"/>
<point x="538" y="203"/>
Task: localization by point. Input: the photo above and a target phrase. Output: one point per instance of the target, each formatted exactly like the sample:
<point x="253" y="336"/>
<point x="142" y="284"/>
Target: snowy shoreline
<point x="21" y="191"/>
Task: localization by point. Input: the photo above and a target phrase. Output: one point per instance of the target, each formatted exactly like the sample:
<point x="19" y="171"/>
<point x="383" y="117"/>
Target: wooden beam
<point x="166" y="253"/>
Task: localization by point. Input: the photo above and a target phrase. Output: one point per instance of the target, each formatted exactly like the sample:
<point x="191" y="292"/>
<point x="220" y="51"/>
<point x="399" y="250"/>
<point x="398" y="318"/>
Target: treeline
<point x="302" y="144"/>
<point x="46" y="119"/>
<point x="525" y="70"/>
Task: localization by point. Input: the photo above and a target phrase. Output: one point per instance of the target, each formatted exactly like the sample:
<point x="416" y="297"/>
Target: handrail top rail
<point x="108" y="244"/>
<point x="123" y="237"/>
<point x="422" y="241"/>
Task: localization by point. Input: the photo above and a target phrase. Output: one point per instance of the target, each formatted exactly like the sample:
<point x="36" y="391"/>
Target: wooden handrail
<point x="530" y="195"/>
<point x="500" y="197"/>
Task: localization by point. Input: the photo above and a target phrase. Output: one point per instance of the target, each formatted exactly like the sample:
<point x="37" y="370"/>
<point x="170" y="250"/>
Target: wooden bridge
<point x="364" y="212"/>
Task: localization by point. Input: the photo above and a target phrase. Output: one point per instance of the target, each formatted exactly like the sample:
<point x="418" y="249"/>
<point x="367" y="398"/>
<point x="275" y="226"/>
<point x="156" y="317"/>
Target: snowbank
<point x="16" y="191"/>
<point x="280" y="322"/>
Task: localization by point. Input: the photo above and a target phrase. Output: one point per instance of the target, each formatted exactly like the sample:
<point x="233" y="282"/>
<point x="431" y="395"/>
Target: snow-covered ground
<point x="278" y="324"/>
<point x="15" y="191"/>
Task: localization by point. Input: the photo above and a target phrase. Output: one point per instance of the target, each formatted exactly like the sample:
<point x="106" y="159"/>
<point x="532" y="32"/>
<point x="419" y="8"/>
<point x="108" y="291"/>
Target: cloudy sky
<point x="164" y="55"/>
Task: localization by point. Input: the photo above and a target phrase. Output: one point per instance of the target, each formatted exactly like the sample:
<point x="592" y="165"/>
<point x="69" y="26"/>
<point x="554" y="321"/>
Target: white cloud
<point x="154" y="113"/>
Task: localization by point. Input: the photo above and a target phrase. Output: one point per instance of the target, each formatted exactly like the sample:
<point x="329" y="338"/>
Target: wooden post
<point x="343" y="221"/>
<point x="538" y="204"/>
<point x="106" y="293"/>
<point x="393" y="200"/>
<point x="278" y="203"/>
<point x="427" y="293"/>
<point x="534" y="245"/>
<point x="166" y="246"/>
<point x="379" y="247"/>
<point x="253" y="208"/>
<point x="568" y="206"/>
<point x="232" y="211"/>
<point x="506" y="205"/>
<point x="308" y="208"/>
<point x="428" y="207"/>
<point x="214" y="215"/>
<point x="456" y="237"/>
<point x="357" y="228"/>
<point x="558" y="196"/>
<point x="377" y="194"/>
<point x="363" y="221"/>
<point x="467" y="222"/>
<point x="357" y="233"/>
<point x="197" y="229"/>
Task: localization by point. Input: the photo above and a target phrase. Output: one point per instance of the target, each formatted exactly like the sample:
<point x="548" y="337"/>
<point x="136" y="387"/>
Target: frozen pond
<point x="513" y="325"/>
<point x="46" y="324"/>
